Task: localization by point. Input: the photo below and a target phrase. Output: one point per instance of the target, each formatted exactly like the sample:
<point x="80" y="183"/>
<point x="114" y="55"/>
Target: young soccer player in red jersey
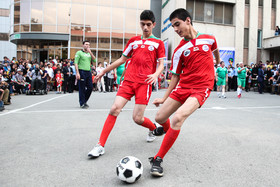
<point x="191" y="83"/>
<point x="141" y="73"/>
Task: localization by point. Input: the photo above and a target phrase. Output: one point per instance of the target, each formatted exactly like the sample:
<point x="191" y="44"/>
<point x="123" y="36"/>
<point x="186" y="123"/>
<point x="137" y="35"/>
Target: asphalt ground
<point x="44" y="141"/>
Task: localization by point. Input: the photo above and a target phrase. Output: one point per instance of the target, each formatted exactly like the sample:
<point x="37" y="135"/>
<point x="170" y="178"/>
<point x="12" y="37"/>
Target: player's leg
<point x="224" y="88"/>
<point x="190" y="105"/>
<point x="89" y="87"/>
<point x="239" y="89"/>
<point x="138" y="118"/>
<point x="219" y="87"/>
<point x="115" y="110"/>
<point x="165" y="111"/>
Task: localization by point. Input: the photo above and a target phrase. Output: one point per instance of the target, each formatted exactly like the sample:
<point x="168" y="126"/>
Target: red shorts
<point x="182" y="94"/>
<point x="142" y="92"/>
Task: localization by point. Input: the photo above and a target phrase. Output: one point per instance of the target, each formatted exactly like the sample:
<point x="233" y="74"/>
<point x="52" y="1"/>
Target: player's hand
<point x="88" y="50"/>
<point x="98" y="77"/>
<point x="78" y="76"/>
<point x="158" y="101"/>
<point x="151" y="79"/>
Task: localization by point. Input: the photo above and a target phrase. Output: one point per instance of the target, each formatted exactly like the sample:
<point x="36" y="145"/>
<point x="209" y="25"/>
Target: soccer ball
<point x="129" y="169"/>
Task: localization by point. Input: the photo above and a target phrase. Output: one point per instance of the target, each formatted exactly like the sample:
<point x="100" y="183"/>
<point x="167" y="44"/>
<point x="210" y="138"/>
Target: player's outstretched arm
<point x="153" y="77"/>
<point x="173" y="83"/>
<point x="114" y="65"/>
<point x="217" y="56"/>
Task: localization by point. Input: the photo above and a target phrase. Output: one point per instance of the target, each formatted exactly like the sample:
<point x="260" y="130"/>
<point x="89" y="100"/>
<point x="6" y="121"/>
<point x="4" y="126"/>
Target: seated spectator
<point x="19" y="82"/>
<point x="277" y="31"/>
<point x="275" y="87"/>
<point x="5" y="93"/>
<point x="36" y="75"/>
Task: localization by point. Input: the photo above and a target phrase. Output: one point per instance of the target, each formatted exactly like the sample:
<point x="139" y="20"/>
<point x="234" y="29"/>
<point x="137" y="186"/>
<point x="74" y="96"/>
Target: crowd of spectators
<point x="263" y="77"/>
<point x="20" y="76"/>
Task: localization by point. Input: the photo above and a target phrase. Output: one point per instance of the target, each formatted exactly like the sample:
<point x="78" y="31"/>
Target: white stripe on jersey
<point x="204" y="41"/>
<point x="147" y="42"/>
<point x="148" y="91"/>
<point x="129" y="48"/>
<point x="178" y="54"/>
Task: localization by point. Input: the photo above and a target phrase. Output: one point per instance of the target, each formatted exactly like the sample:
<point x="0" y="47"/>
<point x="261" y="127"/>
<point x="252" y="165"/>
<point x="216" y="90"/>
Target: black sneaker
<point x="86" y="105"/>
<point x="156" y="169"/>
<point x="158" y="131"/>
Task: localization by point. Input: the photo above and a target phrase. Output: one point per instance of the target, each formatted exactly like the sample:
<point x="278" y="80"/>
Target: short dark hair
<point x="181" y="14"/>
<point x="85" y="41"/>
<point x="147" y="15"/>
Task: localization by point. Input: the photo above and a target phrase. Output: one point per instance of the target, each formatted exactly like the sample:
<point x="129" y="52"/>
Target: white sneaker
<point x="151" y="137"/>
<point x="224" y="96"/>
<point x="97" y="151"/>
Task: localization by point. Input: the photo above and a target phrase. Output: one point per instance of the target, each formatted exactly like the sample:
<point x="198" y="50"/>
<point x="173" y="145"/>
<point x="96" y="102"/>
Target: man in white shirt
<point x="101" y="81"/>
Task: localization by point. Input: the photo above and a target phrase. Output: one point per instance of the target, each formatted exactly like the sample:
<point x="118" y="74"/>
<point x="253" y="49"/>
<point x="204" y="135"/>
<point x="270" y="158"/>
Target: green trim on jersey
<point x="174" y="72"/>
<point x="83" y="60"/>
<point x="198" y="34"/>
<point x="152" y="36"/>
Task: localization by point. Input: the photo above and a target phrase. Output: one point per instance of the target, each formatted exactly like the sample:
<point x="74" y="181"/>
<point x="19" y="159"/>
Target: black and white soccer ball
<point x="129" y="169"/>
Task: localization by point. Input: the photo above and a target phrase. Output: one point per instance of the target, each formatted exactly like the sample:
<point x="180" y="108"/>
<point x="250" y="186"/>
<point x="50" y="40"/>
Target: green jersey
<point x="242" y="74"/>
<point x="222" y="72"/>
<point x="83" y="60"/>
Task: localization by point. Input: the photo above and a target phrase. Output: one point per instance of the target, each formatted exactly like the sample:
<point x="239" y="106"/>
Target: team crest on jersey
<point x="187" y="53"/>
<point x="195" y="48"/>
<point x="205" y="48"/>
<point x="142" y="46"/>
<point x="151" y="48"/>
<point x="135" y="46"/>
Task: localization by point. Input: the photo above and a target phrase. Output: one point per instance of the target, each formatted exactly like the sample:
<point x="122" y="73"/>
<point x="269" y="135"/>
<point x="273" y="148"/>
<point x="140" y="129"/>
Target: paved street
<point x="44" y="141"/>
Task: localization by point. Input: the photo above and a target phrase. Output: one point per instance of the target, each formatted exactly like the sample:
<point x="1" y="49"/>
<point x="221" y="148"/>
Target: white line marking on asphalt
<point x="18" y="110"/>
<point x="131" y="109"/>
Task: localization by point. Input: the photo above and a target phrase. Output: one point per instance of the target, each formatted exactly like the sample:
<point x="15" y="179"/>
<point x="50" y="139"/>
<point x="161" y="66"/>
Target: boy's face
<point x="182" y="28"/>
<point x="147" y="27"/>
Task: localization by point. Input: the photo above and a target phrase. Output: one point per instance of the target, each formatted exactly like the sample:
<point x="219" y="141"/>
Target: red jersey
<point x="193" y="61"/>
<point x="144" y="54"/>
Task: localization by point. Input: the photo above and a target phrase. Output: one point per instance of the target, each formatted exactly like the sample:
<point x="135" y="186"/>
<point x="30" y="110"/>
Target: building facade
<point x="49" y="28"/>
<point x="245" y="26"/>
<point x="6" y="47"/>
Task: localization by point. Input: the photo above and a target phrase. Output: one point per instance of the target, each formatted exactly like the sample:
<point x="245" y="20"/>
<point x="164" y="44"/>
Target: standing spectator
<point x="100" y="83"/>
<point x="230" y="77"/>
<point x="45" y="78"/>
<point x="67" y="75"/>
<point x="261" y="78"/>
<point x="106" y="83"/>
<point x="235" y="74"/>
<point x="110" y="78"/>
<point x="83" y="60"/>
<point x="58" y="78"/>
<point x="73" y="77"/>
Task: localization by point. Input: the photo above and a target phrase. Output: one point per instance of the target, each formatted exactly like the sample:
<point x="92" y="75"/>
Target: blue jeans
<point x="85" y="86"/>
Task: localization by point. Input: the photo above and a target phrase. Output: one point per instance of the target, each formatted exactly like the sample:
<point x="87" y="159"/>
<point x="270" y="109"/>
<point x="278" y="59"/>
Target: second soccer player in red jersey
<point x="191" y="83"/>
<point x="141" y="72"/>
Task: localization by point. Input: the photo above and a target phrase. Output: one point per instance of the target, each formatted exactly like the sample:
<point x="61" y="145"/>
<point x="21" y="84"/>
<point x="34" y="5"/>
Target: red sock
<point x="166" y="125"/>
<point x="108" y="126"/>
<point x="148" y="124"/>
<point x="168" y="140"/>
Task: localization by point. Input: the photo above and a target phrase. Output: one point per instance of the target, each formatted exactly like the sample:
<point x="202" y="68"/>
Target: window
<point x="273" y="4"/>
<point x="199" y="11"/>
<point x="4" y="12"/>
<point x="259" y="38"/>
<point x="228" y="14"/>
<point x="211" y="12"/>
<point x="247" y="2"/>
<point x="246" y="37"/>
<point x="4" y="37"/>
<point x="36" y="12"/>
<point x="190" y="7"/>
<point x="260" y="2"/>
<point x="218" y="14"/>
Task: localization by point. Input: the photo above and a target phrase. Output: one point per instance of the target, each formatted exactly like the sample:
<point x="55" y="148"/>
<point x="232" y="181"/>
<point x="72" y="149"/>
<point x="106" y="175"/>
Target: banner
<point x="227" y="55"/>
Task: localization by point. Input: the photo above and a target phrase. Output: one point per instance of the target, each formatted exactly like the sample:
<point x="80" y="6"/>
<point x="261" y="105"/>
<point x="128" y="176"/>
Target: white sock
<point x="238" y="91"/>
